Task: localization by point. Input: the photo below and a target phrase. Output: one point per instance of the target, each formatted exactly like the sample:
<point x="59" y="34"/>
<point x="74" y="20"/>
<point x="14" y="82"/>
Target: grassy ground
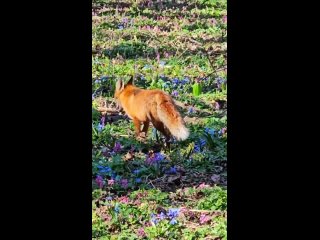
<point x="144" y="190"/>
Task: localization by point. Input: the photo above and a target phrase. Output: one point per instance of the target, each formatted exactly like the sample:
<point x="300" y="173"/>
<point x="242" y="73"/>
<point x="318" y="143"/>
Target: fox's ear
<point x="130" y="82"/>
<point x="119" y="85"/>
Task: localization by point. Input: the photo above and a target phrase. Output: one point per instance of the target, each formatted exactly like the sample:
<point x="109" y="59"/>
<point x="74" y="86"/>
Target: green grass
<point x="144" y="190"/>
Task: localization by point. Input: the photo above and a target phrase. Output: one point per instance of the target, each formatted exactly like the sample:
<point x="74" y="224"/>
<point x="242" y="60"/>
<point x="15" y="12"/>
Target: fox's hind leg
<point x="160" y="127"/>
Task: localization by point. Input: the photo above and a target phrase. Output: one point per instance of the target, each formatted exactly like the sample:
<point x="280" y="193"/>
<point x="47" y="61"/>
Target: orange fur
<point x="155" y="106"/>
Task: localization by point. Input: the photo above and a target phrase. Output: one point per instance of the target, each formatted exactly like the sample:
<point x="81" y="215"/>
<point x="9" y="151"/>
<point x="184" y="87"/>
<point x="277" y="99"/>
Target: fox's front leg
<point x="137" y="125"/>
<point x="145" y="129"/>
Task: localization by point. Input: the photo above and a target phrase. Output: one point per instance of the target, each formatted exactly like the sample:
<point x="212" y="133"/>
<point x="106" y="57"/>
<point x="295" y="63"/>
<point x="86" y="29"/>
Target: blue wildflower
<point x="154" y="132"/>
<point x="100" y="127"/>
<point x="103" y="119"/>
<point x="116" y="208"/>
<point x="184" y="80"/>
<point x="175" y="81"/>
<point x="104" y="169"/>
<point x="190" y="110"/>
<point x="146" y="67"/>
<point x="196" y="148"/>
<point x="156" y="158"/>
<point x="219" y="80"/>
<point x="172" y="170"/>
<point x="104" y="78"/>
<point x="165" y="85"/>
<point x="153" y="219"/>
<point x="120" y="27"/>
<point x="138" y="180"/>
<point x="159" y="157"/>
<point x="202" y="142"/>
<point x="162" y="215"/>
<point x="173" y="221"/>
<point x="210" y="131"/>
<point x="162" y="63"/>
<point x="113" y="175"/>
<point x="137" y="171"/>
<point x="173" y="212"/>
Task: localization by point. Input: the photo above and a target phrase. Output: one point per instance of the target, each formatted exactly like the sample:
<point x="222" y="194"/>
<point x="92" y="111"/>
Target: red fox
<point x="145" y="106"/>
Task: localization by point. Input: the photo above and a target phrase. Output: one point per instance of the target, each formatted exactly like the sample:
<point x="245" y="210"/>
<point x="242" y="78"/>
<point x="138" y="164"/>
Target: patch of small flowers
<point x="147" y="214"/>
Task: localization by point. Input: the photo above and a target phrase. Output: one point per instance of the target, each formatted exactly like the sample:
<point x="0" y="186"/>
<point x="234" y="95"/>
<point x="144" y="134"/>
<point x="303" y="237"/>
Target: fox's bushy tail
<point x="171" y="117"/>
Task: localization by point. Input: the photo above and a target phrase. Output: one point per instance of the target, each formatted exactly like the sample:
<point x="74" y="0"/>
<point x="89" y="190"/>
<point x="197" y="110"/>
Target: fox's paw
<point x="143" y="135"/>
<point x="141" y="139"/>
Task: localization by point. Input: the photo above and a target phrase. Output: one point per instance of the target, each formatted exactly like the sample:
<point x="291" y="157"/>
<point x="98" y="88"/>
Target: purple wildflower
<point x="224" y="19"/>
<point x="99" y="181"/>
<point x="204" y="218"/>
<point x="124" y="183"/>
<point x="110" y="182"/>
<point x="124" y="199"/>
<point x="117" y="147"/>
<point x="175" y="93"/>
<point x="203" y="185"/>
<point x="213" y="21"/>
<point x="216" y="105"/>
<point x="141" y="232"/>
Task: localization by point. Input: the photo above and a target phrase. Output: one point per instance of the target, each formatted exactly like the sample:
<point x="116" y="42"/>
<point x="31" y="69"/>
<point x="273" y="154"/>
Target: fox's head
<point x="120" y="86"/>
